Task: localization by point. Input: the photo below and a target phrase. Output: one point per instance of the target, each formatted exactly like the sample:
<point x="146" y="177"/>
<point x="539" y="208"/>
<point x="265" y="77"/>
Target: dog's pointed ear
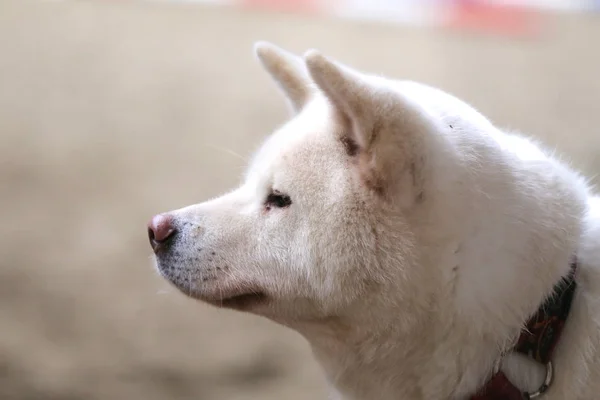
<point x="382" y="129"/>
<point x="288" y="71"/>
<point x="350" y="94"/>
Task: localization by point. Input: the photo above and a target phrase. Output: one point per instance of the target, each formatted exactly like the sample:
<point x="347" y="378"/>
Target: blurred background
<point x="112" y="111"/>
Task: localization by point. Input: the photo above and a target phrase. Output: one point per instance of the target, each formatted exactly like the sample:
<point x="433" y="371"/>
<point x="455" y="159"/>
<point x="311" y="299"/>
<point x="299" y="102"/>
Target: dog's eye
<point x="277" y="199"/>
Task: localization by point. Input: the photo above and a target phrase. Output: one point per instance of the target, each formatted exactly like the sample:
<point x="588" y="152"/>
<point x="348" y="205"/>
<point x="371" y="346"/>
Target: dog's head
<point x="305" y="234"/>
<point x="367" y="200"/>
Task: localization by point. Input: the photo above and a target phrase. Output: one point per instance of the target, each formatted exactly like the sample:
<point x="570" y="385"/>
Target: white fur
<point x="412" y="263"/>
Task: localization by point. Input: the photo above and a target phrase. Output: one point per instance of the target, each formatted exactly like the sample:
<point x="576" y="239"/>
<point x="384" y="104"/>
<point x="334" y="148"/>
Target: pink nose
<point x="160" y="229"/>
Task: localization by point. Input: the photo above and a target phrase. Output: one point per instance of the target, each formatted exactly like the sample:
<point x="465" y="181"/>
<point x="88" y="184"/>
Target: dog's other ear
<point x="382" y="130"/>
<point x="288" y="71"/>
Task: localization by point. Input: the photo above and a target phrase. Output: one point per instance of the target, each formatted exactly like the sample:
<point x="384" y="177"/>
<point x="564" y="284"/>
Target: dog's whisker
<point x="227" y="151"/>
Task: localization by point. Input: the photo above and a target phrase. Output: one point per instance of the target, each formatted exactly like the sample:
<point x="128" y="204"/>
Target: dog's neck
<point x="378" y="352"/>
<point x="369" y="357"/>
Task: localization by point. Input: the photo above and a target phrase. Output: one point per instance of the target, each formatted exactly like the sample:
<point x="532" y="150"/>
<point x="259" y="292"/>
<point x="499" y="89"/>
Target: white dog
<point x="407" y="239"/>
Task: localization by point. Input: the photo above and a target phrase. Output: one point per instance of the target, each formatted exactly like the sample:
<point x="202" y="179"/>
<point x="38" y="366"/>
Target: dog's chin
<point x="242" y="302"/>
<point x="240" y="299"/>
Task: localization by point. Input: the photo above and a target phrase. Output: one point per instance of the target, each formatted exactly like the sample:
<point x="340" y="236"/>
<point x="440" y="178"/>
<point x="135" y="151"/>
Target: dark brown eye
<point x="278" y="200"/>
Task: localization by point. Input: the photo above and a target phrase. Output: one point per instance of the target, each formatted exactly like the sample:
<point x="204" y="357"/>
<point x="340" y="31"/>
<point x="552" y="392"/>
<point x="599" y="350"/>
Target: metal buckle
<point x="545" y="385"/>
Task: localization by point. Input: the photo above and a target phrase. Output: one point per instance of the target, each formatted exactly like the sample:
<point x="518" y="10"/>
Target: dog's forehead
<point x="301" y="140"/>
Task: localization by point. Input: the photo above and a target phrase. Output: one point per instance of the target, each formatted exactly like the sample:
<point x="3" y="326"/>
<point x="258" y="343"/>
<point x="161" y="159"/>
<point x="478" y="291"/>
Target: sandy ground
<point x="111" y="112"/>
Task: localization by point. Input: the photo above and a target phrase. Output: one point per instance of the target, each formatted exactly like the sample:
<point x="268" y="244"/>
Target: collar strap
<point x="537" y="341"/>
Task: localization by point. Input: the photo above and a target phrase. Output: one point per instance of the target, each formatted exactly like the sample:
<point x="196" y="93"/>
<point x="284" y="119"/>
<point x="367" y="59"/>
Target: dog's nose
<point x="161" y="230"/>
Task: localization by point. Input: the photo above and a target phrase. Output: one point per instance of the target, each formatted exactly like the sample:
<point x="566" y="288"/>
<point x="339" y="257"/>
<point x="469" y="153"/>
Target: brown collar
<point x="537" y="341"/>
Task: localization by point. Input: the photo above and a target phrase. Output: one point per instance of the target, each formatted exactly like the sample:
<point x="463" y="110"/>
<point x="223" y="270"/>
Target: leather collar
<point x="537" y="341"/>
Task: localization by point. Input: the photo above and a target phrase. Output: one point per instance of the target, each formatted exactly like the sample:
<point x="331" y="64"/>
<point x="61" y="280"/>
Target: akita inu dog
<point x="423" y="252"/>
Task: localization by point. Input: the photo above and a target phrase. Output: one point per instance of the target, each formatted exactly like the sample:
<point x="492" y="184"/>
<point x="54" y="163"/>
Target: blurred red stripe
<point x="508" y="20"/>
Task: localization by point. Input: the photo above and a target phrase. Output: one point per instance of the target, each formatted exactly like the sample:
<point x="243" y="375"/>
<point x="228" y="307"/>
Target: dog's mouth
<point x="241" y="301"/>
